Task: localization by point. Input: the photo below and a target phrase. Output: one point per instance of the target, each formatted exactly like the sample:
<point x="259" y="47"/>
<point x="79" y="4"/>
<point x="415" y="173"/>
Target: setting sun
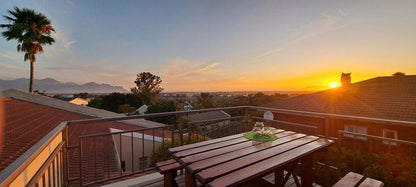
<point x="333" y="84"/>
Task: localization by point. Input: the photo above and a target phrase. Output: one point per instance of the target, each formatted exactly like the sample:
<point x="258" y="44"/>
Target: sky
<point x="219" y="45"/>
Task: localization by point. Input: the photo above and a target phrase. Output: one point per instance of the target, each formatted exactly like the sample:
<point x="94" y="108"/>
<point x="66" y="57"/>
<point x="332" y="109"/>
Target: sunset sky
<point x="220" y="45"/>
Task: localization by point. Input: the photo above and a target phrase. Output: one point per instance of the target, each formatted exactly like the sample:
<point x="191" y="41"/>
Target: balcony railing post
<point x="246" y="119"/>
<point x="65" y="159"/>
<point x="179" y="122"/>
<point x="80" y="161"/>
<point x="327" y="127"/>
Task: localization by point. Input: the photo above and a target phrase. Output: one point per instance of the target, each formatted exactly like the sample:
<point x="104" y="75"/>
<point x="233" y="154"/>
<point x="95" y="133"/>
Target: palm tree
<point x="31" y="30"/>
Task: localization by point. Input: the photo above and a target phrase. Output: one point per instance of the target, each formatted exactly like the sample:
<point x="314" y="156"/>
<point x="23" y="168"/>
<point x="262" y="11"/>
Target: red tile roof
<point x="26" y="123"/>
<point x="382" y="97"/>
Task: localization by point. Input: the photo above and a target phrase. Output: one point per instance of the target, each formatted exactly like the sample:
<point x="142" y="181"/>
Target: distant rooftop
<point x="392" y="97"/>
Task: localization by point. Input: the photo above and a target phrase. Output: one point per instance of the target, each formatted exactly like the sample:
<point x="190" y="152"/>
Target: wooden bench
<point x="354" y="179"/>
<point x="169" y="169"/>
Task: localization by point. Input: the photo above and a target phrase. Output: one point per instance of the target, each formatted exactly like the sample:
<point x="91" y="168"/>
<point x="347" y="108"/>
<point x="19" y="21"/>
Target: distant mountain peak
<point x="50" y="85"/>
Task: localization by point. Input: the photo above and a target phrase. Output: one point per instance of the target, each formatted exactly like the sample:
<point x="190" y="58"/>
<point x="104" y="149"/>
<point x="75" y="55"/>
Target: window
<point x="143" y="163"/>
<point x="356" y="129"/>
<point x="387" y="133"/>
<point x="349" y="128"/>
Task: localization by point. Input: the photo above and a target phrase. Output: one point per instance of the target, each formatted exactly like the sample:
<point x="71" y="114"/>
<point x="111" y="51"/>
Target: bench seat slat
<point x="169" y="168"/>
<point x="369" y="182"/>
<point x="350" y="179"/>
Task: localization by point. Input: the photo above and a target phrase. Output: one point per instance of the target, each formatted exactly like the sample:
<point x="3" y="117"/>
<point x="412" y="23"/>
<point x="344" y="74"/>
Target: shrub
<point x="162" y="153"/>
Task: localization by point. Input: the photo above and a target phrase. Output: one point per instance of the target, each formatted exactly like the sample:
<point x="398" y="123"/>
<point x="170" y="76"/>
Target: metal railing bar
<point x="121" y="155"/>
<point x="153" y="115"/>
<point x="398" y="122"/>
<point x="72" y="147"/>
<point x="73" y="179"/>
<point x="142" y="152"/>
<point x="216" y="120"/>
<point x="108" y="154"/>
<point x="153" y="136"/>
<point x="117" y="177"/>
<point x="95" y="160"/>
<point x="132" y="153"/>
<point x="124" y="131"/>
<point x="289" y="123"/>
<point x="80" y="161"/>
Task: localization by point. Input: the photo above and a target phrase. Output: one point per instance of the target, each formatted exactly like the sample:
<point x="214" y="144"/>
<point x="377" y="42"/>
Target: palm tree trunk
<point x="31" y="77"/>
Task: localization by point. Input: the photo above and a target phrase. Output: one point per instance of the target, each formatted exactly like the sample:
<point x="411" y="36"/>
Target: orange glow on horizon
<point x="333" y="84"/>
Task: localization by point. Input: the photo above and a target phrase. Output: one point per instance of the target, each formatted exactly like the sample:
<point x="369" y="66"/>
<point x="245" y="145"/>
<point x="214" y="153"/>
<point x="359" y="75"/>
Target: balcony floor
<point x="156" y="180"/>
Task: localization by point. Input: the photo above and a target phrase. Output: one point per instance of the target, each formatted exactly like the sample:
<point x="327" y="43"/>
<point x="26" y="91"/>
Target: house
<point x="142" y="110"/>
<point x="79" y="101"/>
<point x="30" y="118"/>
<point x="391" y="98"/>
<point x="214" y="123"/>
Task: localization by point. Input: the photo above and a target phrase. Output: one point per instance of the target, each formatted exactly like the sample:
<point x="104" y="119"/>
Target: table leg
<point x="279" y="178"/>
<point x="169" y="179"/>
<point x="307" y="171"/>
<point x="189" y="179"/>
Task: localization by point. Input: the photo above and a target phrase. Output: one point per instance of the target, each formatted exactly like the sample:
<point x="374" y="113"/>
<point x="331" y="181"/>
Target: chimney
<point x="345" y="79"/>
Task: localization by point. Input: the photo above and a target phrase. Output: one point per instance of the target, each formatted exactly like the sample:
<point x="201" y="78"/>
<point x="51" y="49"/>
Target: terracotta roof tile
<point x="26" y="123"/>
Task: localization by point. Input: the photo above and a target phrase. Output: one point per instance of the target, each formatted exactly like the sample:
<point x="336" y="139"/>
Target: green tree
<point x="205" y="100"/>
<point x="399" y="74"/>
<point x="164" y="106"/>
<point x="117" y="102"/>
<point x="147" y="85"/>
<point x="31" y="30"/>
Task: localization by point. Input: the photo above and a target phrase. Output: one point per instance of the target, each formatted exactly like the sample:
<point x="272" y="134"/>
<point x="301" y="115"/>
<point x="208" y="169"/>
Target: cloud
<point x="11" y="67"/>
<point x="13" y="57"/>
<point x="62" y="48"/>
<point x="69" y="2"/>
<point x="327" y="23"/>
<point x="186" y="69"/>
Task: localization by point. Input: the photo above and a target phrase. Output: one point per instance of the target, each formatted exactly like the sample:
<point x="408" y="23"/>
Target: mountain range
<point x="50" y="85"/>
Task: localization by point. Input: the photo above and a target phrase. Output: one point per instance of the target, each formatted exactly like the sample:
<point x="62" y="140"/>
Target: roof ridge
<point x="70" y="107"/>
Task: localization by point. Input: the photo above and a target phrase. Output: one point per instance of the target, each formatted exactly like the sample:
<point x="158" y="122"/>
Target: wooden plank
<point x="170" y="167"/>
<point x="201" y="156"/>
<point x="210" y="147"/>
<point x="208" y="174"/>
<point x="166" y="162"/>
<point x="350" y="179"/>
<point x="266" y="166"/>
<point x="196" y="166"/>
<point x="199" y="144"/>
<point x="369" y="182"/>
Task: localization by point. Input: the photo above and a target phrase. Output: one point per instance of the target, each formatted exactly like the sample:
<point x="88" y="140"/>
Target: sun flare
<point x="333" y="84"/>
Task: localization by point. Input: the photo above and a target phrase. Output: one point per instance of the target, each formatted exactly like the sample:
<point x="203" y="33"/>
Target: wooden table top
<point x="234" y="159"/>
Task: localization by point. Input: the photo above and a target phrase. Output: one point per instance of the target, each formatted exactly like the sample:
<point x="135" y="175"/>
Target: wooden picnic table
<point x="235" y="160"/>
